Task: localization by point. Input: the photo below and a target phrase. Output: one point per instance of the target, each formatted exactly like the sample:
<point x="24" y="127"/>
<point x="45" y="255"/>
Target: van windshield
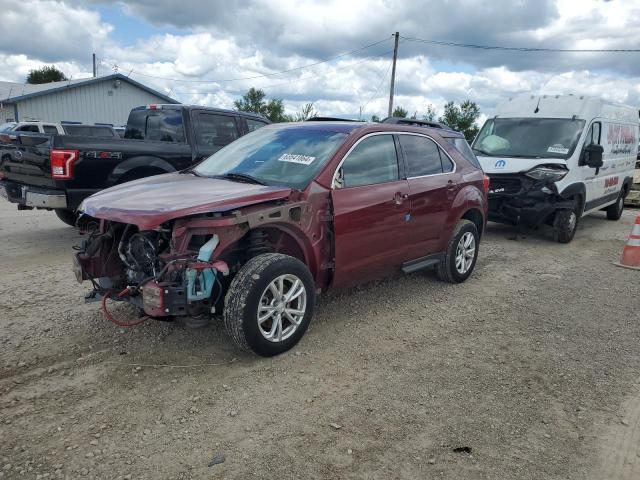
<point x="528" y="137"/>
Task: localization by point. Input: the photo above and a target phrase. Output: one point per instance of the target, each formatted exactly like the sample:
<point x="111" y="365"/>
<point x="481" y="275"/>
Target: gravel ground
<point x="529" y="370"/>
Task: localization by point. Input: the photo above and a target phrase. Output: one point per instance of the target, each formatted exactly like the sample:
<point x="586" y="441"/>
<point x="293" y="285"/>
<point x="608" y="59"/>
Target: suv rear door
<point x="370" y="208"/>
<point x="433" y="183"/>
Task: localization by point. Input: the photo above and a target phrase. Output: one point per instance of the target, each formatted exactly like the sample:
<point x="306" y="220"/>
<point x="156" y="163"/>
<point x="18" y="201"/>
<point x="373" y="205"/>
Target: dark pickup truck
<point x="57" y="172"/>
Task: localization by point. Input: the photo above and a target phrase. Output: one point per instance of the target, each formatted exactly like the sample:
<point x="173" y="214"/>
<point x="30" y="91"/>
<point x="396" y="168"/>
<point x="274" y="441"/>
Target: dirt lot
<point x="533" y="364"/>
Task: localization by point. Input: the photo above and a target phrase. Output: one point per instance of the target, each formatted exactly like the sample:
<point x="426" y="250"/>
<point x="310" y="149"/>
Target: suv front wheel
<point x="461" y="255"/>
<point x="269" y="304"/>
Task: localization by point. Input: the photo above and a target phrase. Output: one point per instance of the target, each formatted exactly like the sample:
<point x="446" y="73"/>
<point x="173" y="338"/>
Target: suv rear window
<point x="463" y="147"/>
<point x="159" y="125"/>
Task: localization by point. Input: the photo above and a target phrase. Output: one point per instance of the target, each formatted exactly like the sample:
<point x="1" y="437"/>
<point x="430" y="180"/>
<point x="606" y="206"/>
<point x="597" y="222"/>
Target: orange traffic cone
<point x="630" y="257"/>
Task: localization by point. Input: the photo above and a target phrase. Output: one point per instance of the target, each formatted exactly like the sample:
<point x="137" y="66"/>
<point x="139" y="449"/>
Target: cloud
<point x="232" y="40"/>
<point x="50" y="31"/>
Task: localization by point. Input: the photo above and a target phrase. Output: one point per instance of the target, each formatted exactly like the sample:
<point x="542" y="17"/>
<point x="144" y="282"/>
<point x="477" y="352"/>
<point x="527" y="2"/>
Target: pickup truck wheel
<point x="565" y="223"/>
<point x="614" y="212"/>
<point x="461" y="255"/>
<point x="269" y="304"/>
<point x="67" y="216"/>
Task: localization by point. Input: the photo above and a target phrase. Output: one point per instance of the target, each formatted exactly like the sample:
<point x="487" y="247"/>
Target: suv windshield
<point x="528" y="137"/>
<point x="274" y="156"/>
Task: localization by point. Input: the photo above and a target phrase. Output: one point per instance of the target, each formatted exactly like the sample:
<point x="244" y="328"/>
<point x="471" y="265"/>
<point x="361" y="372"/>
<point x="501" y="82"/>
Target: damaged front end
<point x="529" y="197"/>
<point x="144" y="268"/>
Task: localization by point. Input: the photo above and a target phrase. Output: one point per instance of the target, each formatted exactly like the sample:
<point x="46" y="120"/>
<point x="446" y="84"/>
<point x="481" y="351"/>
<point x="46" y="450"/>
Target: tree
<point x="399" y="112"/>
<point x="430" y="115"/>
<point x="254" y="101"/>
<point x="306" y="112"/>
<point x="375" y="119"/>
<point x="462" y="118"/>
<point x="46" y="74"/>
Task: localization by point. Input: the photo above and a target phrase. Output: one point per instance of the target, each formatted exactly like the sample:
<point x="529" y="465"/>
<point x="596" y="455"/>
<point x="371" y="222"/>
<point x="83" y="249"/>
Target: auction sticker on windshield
<point x="293" y="158"/>
<point x="558" y="149"/>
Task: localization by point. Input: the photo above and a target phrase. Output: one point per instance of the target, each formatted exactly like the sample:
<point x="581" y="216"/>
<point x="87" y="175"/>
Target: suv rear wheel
<point x="461" y="255"/>
<point x="269" y="304"/>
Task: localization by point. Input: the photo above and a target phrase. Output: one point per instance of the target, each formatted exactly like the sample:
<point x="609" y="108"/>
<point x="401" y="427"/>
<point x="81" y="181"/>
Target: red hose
<point x="110" y="317"/>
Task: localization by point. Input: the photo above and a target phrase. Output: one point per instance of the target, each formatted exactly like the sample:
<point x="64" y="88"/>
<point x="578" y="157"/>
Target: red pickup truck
<point x="283" y="213"/>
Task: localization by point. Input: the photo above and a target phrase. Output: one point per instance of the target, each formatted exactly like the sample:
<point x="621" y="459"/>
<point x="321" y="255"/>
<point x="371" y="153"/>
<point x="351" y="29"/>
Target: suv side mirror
<point x="593" y="156"/>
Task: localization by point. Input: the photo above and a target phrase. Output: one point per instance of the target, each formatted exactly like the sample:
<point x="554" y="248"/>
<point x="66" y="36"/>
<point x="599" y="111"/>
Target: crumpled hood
<point x="515" y="165"/>
<point x="148" y="202"/>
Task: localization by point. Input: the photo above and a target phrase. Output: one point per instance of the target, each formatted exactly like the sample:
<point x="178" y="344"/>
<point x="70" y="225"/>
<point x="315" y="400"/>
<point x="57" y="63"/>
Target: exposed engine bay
<point x="124" y="263"/>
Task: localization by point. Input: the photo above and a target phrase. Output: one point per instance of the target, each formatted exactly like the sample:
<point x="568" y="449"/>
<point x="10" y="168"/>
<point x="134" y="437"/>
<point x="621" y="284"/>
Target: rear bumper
<point x="33" y="197"/>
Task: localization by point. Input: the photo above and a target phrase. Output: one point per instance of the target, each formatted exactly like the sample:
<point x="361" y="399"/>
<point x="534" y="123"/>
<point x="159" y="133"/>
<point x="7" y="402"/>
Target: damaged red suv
<point x="288" y="211"/>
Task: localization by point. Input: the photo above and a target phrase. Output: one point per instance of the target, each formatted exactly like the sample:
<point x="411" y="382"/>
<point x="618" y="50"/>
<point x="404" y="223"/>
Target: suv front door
<point x="370" y="208"/>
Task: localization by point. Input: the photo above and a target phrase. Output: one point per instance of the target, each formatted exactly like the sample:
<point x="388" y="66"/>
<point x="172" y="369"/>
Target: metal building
<point x="91" y="100"/>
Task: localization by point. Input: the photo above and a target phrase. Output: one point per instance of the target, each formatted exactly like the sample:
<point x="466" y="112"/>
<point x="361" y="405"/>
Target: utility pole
<point x="95" y="73"/>
<point x="393" y="73"/>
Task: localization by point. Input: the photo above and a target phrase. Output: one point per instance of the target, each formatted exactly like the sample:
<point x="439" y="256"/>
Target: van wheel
<point x="67" y="216"/>
<point x="614" y="212"/>
<point x="565" y="223"/>
<point x="461" y="255"/>
<point x="269" y="304"/>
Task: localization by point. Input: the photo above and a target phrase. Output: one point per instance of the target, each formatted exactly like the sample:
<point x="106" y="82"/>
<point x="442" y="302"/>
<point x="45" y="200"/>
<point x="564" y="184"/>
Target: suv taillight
<point x="62" y="163"/>
<point x="485" y="184"/>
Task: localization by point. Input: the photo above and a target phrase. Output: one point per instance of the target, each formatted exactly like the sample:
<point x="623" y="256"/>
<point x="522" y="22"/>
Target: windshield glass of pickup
<point x="275" y="156"/>
<point x="159" y="125"/>
<point x="528" y="137"/>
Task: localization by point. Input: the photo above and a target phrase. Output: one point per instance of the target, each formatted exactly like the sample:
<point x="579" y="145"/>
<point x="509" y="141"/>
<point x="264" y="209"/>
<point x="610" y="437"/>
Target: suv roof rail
<point x="331" y="119"/>
<point x="414" y="122"/>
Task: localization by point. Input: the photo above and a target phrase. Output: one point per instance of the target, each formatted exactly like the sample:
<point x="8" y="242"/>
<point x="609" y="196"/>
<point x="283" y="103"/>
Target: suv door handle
<point x="400" y="197"/>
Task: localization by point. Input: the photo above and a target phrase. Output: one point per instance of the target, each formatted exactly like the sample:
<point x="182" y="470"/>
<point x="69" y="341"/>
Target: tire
<point x="250" y="288"/>
<point x="67" y="216"/>
<point x="614" y="212"/>
<point x="449" y="269"/>
<point x="565" y="224"/>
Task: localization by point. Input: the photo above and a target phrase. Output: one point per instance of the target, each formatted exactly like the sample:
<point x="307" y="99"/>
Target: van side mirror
<point x="593" y="156"/>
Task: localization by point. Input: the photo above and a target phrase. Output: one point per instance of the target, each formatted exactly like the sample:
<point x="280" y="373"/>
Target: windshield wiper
<point x="242" y="177"/>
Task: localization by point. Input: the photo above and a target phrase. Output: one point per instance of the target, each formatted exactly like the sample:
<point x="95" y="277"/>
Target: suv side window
<point x="28" y="128"/>
<point x="374" y="160"/>
<point x="254" y="124"/>
<point x="215" y="130"/>
<point x="423" y="156"/>
<point x="50" y="129"/>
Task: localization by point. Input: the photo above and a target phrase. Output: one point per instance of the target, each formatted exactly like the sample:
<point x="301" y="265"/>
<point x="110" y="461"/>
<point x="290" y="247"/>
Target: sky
<point x="203" y="51"/>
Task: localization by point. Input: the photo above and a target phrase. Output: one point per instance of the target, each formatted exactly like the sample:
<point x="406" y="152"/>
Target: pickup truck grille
<point x="499" y="185"/>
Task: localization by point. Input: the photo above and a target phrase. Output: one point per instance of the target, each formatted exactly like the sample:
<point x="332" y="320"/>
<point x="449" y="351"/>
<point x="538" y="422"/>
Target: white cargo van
<point x="555" y="158"/>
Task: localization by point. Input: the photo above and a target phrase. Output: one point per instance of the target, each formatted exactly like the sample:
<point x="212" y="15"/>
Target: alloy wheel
<point x="465" y="252"/>
<point x="282" y="308"/>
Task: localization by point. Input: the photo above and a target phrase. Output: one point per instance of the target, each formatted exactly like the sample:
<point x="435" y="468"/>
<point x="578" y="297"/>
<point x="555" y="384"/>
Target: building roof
<point x="13" y="92"/>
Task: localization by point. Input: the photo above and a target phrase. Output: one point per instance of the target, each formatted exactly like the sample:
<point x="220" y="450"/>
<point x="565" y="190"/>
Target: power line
<point x="351" y="52"/>
<point x="522" y="49"/>
<point x="384" y="77"/>
<point x="344" y="67"/>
